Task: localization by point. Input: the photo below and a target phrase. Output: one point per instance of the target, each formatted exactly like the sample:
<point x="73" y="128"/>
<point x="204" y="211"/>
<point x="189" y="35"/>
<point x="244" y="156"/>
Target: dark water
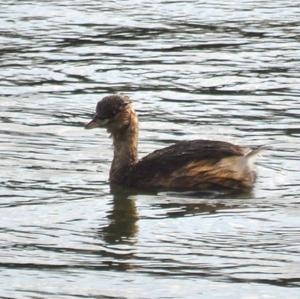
<point x="226" y="70"/>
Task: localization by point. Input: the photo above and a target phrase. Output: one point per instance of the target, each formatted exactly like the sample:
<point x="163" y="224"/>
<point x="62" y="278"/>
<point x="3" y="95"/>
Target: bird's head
<point x="113" y="113"/>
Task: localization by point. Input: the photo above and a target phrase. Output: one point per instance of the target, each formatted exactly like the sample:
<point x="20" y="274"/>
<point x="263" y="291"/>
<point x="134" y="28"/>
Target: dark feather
<point x="164" y="161"/>
<point x="110" y="106"/>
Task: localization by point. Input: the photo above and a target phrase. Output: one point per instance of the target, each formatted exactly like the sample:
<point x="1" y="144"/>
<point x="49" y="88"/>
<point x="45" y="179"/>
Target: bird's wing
<point x="168" y="159"/>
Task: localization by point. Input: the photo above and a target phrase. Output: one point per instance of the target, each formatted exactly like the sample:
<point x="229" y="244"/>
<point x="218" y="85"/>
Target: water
<point x="226" y="70"/>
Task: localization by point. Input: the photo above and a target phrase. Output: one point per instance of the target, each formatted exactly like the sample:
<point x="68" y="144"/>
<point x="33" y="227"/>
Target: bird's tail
<point x="251" y="156"/>
<point x="254" y="152"/>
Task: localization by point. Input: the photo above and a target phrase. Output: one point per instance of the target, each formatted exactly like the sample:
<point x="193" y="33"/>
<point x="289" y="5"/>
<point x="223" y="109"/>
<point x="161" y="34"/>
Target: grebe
<point x="185" y="165"/>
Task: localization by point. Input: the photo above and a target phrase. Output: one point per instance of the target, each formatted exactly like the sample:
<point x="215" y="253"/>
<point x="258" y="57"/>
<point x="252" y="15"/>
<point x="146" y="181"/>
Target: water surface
<point x="221" y="70"/>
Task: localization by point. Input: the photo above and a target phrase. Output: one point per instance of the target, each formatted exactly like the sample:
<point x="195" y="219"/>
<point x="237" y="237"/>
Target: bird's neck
<point x="125" y="144"/>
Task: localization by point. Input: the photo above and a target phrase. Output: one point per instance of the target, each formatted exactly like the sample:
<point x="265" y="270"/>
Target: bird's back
<point x="193" y="164"/>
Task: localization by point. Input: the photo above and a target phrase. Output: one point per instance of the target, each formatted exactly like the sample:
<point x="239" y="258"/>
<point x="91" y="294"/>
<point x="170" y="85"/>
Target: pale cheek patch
<point x="103" y="122"/>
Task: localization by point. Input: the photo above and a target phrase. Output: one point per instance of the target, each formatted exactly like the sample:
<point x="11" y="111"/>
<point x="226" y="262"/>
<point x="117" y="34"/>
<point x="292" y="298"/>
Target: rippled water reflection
<point x="196" y="69"/>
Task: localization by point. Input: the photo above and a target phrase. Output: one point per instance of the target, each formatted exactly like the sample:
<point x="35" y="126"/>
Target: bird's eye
<point x="97" y="116"/>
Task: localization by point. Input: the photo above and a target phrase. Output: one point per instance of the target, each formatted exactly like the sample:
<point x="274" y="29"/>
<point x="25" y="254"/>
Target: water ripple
<point x="195" y="70"/>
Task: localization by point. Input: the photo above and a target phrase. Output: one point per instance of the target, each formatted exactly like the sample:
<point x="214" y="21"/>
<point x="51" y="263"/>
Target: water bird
<point x="185" y="165"/>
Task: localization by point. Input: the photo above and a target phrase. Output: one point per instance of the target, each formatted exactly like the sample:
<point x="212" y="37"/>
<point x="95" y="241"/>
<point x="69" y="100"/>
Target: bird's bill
<point x="96" y="123"/>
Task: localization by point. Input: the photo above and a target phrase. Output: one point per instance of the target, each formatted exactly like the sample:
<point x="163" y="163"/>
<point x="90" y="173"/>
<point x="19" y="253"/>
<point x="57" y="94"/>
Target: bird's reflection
<point x="119" y="237"/>
<point x="122" y="227"/>
<point x="123" y="218"/>
<point x="198" y="203"/>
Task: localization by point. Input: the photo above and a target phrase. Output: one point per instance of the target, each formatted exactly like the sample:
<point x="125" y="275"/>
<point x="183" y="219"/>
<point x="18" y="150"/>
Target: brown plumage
<point x="186" y="165"/>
